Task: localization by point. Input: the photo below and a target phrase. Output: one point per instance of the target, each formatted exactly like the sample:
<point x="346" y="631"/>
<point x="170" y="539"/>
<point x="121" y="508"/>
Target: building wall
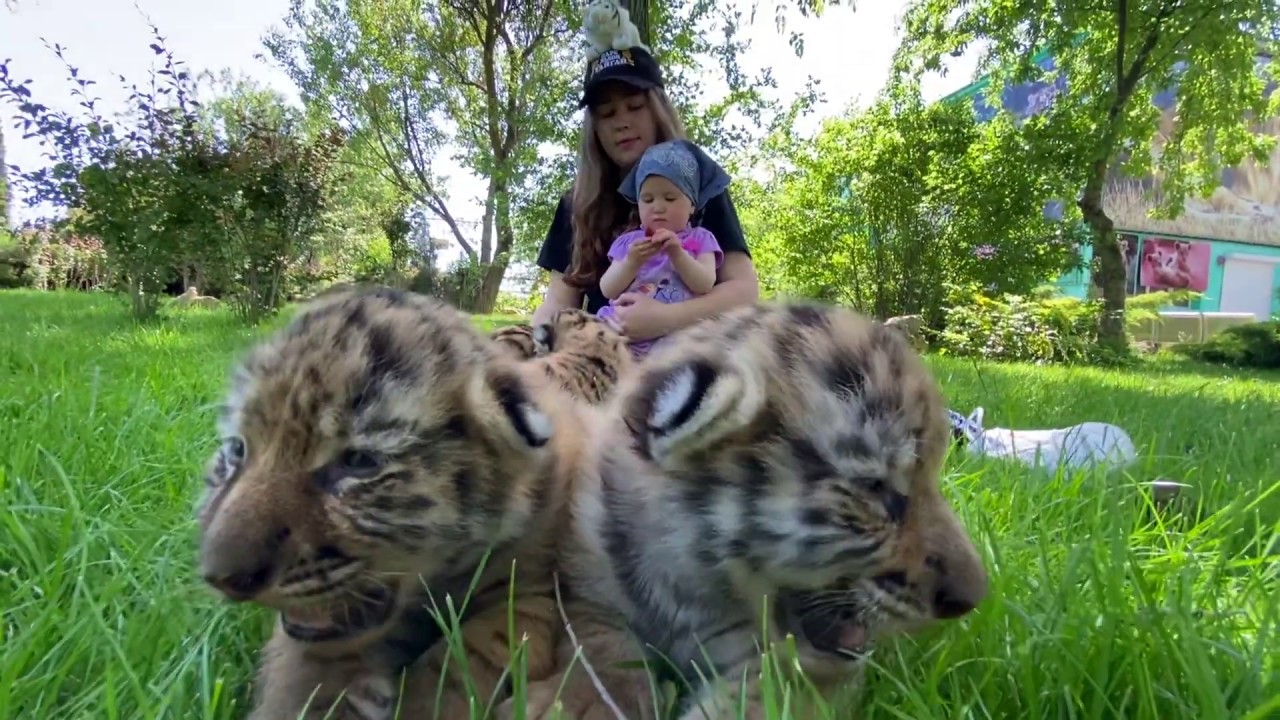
<point x="1209" y="272"/>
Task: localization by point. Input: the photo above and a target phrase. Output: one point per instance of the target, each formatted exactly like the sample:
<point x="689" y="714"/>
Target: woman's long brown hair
<point x="600" y="213"/>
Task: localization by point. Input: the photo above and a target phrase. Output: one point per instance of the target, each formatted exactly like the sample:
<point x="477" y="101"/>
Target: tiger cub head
<point x="576" y="330"/>
<point x="377" y="438"/>
<point x="800" y="448"/>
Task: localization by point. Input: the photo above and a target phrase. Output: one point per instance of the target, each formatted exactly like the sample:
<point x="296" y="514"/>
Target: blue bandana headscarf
<point x="683" y="163"/>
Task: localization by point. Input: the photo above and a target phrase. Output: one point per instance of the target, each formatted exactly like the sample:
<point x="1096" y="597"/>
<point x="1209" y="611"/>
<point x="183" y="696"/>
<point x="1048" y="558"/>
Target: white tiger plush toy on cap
<point x="608" y="26"/>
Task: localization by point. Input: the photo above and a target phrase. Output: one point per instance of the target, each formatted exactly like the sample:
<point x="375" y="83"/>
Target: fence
<point x="1187" y="326"/>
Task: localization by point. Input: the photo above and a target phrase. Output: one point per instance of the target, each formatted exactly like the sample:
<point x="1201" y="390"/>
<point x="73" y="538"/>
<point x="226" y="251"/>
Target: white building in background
<point x="436" y="234"/>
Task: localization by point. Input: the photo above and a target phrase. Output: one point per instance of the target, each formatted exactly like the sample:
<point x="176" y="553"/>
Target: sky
<point x="848" y="52"/>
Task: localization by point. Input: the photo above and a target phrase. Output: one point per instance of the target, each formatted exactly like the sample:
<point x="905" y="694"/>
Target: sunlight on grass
<point x="1102" y="604"/>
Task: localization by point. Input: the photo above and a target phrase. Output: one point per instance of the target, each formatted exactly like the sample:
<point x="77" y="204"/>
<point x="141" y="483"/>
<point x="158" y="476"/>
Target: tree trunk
<point x="1108" y="274"/>
<point x="639" y="10"/>
<point x="490" y="284"/>
<point x="485" y="296"/>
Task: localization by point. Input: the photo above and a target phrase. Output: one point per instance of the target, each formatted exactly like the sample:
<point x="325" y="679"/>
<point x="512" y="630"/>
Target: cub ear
<point x="682" y="408"/>
<point x="518" y="420"/>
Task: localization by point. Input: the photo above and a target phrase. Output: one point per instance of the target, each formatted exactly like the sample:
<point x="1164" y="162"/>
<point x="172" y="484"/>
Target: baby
<point x="666" y="258"/>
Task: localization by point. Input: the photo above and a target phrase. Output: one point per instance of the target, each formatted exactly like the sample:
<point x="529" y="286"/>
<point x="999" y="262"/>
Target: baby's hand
<point x="642" y="250"/>
<point x="666" y="240"/>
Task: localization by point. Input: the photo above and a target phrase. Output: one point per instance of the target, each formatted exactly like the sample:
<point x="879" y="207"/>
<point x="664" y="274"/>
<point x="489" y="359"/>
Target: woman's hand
<point x="640" y="317"/>
<point x="559" y="295"/>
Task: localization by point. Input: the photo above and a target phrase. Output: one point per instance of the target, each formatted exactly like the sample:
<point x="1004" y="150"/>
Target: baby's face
<point x="662" y="205"/>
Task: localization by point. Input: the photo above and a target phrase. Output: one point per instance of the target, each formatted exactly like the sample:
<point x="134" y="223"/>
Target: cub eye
<point x="233" y="449"/>
<point x="876" y="487"/>
<point x="361" y="461"/>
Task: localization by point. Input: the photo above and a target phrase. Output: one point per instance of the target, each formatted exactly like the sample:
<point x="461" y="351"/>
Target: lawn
<point x="1102" y="606"/>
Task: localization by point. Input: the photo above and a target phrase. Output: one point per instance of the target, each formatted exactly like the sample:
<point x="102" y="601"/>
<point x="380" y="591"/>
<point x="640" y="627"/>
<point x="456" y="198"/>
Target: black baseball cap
<point x="633" y="66"/>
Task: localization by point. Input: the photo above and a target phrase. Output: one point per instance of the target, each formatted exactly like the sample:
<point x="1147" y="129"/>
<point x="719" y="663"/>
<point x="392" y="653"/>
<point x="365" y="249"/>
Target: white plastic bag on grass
<point x="1088" y="444"/>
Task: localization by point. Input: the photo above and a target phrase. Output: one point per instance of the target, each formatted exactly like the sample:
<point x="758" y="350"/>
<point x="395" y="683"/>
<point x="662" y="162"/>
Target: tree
<point x="1112" y="58"/>
<point x="697" y="36"/>
<point x="347" y="237"/>
<point x="884" y="208"/>
<point x="276" y="187"/>
<point x="639" y="11"/>
<point x="120" y="175"/>
<point x="237" y="189"/>
<point x="414" y="79"/>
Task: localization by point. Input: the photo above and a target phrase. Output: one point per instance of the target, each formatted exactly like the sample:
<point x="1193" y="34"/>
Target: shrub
<point x="1254" y="345"/>
<point x="1032" y="328"/>
<point x="69" y="260"/>
<point x="15" y="267"/>
<point x="235" y="193"/>
<point x="373" y="262"/>
<point x="1041" y="327"/>
<point x="49" y="259"/>
<point x="513" y="304"/>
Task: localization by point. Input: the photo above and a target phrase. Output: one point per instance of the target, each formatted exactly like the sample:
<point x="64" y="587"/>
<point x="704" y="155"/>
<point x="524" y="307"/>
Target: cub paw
<point x="540" y="703"/>
<point x="543" y="339"/>
<point x="369" y="696"/>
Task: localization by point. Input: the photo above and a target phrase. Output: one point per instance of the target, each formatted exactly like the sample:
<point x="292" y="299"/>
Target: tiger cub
<point x="777" y="466"/>
<point x="373" y="451"/>
<point x="583" y="353"/>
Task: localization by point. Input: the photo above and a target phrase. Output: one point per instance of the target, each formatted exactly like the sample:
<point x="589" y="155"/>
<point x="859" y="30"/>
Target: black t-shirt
<point x="719" y="217"/>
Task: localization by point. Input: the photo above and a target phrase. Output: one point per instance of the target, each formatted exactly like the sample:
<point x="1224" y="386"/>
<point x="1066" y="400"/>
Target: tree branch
<point x="1122" y="33"/>
<point x="433" y="199"/>
<point x="1173" y="46"/>
<point x="1129" y="81"/>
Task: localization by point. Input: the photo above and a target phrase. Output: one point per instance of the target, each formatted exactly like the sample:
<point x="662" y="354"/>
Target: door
<point x="1248" y="285"/>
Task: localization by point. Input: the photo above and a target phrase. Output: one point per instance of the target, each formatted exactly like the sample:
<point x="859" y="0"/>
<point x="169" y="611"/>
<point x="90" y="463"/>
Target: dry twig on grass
<point x="578" y="653"/>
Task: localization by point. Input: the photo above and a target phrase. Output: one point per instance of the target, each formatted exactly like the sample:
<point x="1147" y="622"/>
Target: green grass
<point x="1101" y="606"/>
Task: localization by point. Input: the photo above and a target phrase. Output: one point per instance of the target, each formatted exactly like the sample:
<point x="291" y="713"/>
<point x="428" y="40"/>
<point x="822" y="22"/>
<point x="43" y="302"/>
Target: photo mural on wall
<point x="1169" y="264"/>
<point x="1245" y="207"/>
<point x="1129" y="247"/>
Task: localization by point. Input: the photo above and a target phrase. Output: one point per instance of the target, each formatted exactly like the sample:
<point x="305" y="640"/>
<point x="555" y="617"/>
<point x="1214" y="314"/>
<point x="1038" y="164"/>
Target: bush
<point x="235" y="191"/>
<point x="883" y="207"/>
<point x="513" y="304"/>
<point x="1041" y="327"/>
<point x="1032" y="328"/>
<point x="1254" y="345"/>
<point x="373" y="262"/>
<point x="15" y="267"/>
<point x="52" y="259"/>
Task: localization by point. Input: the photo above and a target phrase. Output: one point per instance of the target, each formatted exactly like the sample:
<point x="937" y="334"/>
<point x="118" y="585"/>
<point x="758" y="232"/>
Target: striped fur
<point x="581" y="352"/>
<point x="782" y="452"/>
<point x="374" y="450"/>
<point x="515" y="340"/>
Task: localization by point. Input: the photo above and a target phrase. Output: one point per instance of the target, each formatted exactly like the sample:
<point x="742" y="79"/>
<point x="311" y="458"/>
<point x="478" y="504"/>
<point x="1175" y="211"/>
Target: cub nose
<point x="961" y="584"/>
<point x="242" y="565"/>
<point x="949" y="605"/>
<point x="240" y="584"/>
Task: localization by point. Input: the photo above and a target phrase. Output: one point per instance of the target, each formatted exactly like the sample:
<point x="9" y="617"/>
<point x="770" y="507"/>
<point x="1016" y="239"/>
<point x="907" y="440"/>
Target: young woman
<point x="627" y="111"/>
